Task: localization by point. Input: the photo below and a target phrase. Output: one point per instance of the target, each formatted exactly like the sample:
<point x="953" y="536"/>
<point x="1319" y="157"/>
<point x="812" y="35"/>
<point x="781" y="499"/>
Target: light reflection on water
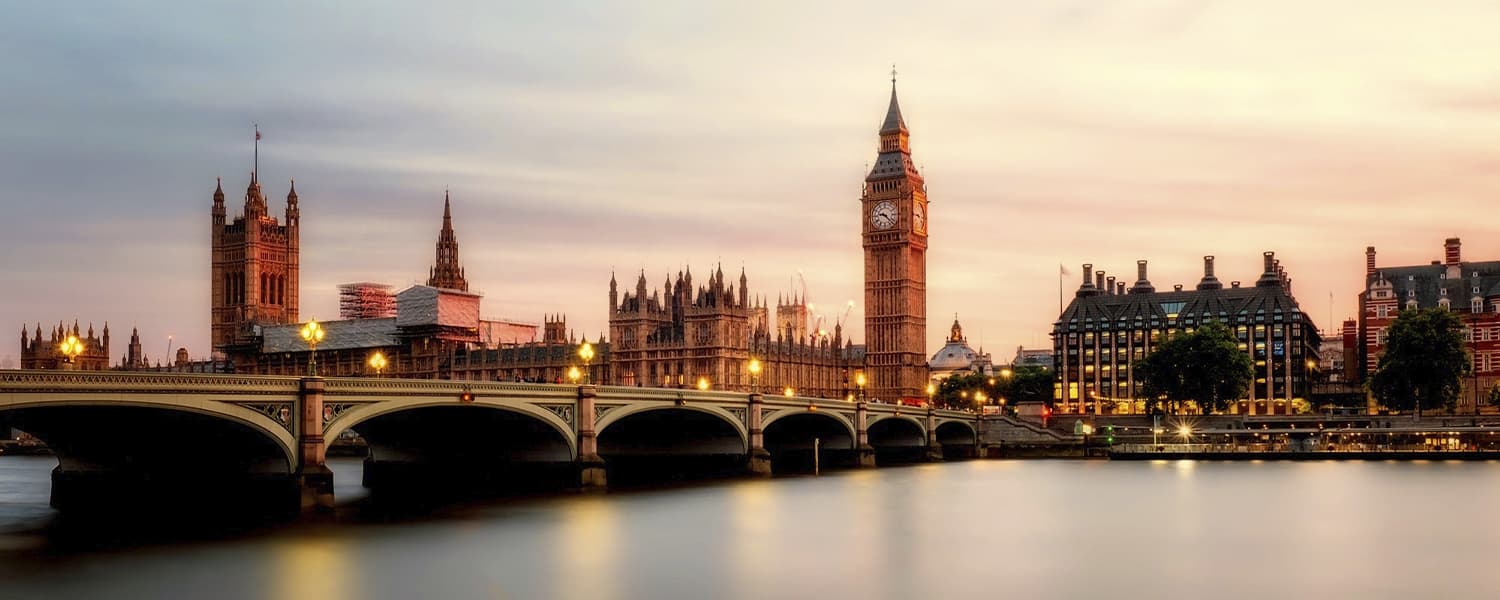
<point x="1033" y="529"/>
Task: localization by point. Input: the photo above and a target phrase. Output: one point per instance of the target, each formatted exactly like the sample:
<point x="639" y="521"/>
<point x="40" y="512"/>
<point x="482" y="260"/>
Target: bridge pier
<point x="592" y="476"/>
<point x="758" y="463"/>
<point x="864" y="453"/>
<point x="934" y="447"/>
<point x="313" y="477"/>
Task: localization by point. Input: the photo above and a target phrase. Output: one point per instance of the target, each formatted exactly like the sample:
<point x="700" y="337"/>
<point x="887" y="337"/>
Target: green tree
<point x="1423" y="361"/>
<point x="1205" y="365"/>
<point x="1025" y="384"/>
<point x="1494" y="398"/>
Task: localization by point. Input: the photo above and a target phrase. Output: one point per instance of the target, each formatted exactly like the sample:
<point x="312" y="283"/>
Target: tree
<point x="1494" y="398"/>
<point x="1423" y="361"/>
<point x="1025" y="384"/>
<point x="1205" y="365"/>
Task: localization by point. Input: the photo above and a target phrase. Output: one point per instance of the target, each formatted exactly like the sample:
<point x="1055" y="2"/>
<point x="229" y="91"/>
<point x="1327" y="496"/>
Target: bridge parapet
<point x="110" y="382"/>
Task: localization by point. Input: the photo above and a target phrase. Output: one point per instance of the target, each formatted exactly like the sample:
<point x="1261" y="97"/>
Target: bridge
<point x="267" y="436"/>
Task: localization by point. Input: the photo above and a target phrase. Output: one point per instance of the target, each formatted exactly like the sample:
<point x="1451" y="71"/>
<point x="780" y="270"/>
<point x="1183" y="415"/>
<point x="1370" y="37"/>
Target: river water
<point x="980" y="529"/>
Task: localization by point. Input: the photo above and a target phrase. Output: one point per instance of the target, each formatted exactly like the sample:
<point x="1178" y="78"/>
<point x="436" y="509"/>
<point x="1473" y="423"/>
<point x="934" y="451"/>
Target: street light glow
<point x="703" y="384"/>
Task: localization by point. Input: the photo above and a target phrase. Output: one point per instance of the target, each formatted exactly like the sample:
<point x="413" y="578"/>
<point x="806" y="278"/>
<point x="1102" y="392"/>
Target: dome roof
<point x="954" y="356"/>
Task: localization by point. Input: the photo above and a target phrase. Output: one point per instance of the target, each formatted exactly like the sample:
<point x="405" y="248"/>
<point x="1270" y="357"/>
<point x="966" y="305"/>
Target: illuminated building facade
<point x="1107" y="328"/>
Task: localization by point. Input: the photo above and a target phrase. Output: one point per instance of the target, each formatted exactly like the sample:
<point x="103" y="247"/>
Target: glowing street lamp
<point x="1186" y="432"/>
<point x="754" y="372"/>
<point x="789" y="392"/>
<point x="859" y="380"/>
<point x="702" y="384"/>
<point x="71" y="348"/>
<point x="1006" y="373"/>
<point x="312" y="333"/>
<point x="931" y="391"/>
<point x="586" y="352"/>
<point x="979" y="399"/>
<point x="574" y="374"/>
<point x="378" y="362"/>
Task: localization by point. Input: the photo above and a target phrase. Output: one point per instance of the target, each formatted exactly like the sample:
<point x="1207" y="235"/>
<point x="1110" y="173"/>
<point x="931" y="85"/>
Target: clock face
<point x="919" y="217"/>
<point x="884" y="215"/>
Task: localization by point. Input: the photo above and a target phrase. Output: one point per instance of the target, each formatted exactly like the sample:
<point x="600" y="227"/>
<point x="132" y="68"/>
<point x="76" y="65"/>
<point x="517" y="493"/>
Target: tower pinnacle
<point x="446" y="271"/>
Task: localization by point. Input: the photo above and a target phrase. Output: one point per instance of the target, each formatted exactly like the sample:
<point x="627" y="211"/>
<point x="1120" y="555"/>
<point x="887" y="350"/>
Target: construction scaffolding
<point x="366" y="300"/>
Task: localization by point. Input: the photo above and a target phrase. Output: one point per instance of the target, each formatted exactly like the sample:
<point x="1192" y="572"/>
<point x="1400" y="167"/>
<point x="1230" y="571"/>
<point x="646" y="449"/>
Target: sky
<point x="583" y="138"/>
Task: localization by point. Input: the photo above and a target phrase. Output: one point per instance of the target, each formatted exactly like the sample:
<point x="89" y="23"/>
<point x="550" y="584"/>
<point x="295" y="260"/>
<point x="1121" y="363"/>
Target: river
<point x="979" y="529"/>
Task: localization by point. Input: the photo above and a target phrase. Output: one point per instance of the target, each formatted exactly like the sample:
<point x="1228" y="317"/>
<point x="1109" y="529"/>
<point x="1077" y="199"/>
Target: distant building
<point x="45" y="352"/>
<point x="1470" y="289"/>
<point x="1106" y="328"/>
<point x="679" y="335"/>
<point x="366" y="300"/>
<point x="255" y="264"/>
<point x="957" y="358"/>
<point x="1032" y="357"/>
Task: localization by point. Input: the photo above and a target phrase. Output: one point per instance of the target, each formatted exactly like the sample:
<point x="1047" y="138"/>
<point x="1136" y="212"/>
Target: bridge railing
<point x="113" y="381"/>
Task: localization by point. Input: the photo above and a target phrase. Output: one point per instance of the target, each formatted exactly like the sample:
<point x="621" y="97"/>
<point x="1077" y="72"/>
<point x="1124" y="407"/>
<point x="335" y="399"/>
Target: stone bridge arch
<point x="620" y="413"/>
<point x="561" y="421"/>
<point x="259" y="422"/>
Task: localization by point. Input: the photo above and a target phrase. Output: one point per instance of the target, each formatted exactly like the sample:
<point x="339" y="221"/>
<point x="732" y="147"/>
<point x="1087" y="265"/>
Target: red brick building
<point x="1471" y="289"/>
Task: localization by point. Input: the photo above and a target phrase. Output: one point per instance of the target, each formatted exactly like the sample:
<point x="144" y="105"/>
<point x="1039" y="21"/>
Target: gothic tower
<point x="255" y="266"/>
<point x="446" y="272"/>
<point x="894" y="211"/>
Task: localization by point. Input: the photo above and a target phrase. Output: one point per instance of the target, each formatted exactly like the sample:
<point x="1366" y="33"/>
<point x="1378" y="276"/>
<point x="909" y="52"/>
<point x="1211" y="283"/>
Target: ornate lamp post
<point x="789" y="392"/>
<point x="931" y="392"/>
<point x="979" y="400"/>
<point x="378" y="362"/>
<point x="702" y="384"/>
<point x="859" y="380"/>
<point x="312" y="333"/>
<point x="754" y="372"/>
<point x="71" y="348"/>
<point x="573" y="374"/>
<point x="586" y="352"/>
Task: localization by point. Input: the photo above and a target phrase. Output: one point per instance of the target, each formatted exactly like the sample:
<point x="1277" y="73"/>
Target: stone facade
<point x="682" y="336"/>
<point x="39" y="352"/>
<point x="255" y="268"/>
<point x="894" y="217"/>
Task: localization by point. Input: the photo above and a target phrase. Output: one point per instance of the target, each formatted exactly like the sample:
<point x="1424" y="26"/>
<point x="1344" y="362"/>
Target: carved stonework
<point x="600" y="409"/>
<point x="563" y="411"/>
<point x="280" y="413"/>
<point x="739" y="413"/>
<point x="334" y="410"/>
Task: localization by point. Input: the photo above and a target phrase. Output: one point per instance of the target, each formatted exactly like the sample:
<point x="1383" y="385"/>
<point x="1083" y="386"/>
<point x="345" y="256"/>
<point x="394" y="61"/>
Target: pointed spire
<point x="447" y="272"/>
<point x="291" y="194"/>
<point x="893" y="122"/>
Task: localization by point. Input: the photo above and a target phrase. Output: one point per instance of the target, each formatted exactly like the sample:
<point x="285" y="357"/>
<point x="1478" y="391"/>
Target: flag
<point x="257" y="134"/>
<point x="1062" y="271"/>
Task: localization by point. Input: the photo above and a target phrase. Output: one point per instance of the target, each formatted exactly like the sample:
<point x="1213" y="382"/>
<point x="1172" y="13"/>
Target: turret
<point x="744" y="287"/>
<point x="293" y="214"/>
<point x="614" y="294"/>
<point x="218" y="211"/>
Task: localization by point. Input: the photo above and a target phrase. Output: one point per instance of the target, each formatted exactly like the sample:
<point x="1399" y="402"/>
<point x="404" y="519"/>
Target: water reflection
<point x="1036" y="529"/>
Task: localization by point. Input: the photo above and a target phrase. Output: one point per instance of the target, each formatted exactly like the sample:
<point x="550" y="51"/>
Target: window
<point x="1411" y="304"/>
<point x="1476" y="305"/>
<point x="1443" y="303"/>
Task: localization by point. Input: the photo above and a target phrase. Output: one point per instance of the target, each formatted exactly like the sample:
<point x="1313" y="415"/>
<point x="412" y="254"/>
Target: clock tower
<point x="894" y="211"/>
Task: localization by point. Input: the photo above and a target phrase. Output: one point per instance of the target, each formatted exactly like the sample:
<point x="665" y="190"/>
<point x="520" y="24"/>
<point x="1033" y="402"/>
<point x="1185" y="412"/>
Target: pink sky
<point x="582" y="138"/>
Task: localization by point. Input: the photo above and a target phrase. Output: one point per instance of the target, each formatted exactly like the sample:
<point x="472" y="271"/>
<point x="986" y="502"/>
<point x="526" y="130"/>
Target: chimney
<point x="1269" y="278"/>
<point x="1369" y="261"/>
<point x="1142" y="284"/>
<point x="1088" y="288"/>
<point x="1088" y="275"/>
<point x="1234" y="284"/>
<point x="1120" y="290"/>
<point x="1177" y="287"/>
<point x="1111" y="281"/>
<point x="1451" y="254"/>
<point x="1209" y="282"/>
<point x="1099" y="281"/>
